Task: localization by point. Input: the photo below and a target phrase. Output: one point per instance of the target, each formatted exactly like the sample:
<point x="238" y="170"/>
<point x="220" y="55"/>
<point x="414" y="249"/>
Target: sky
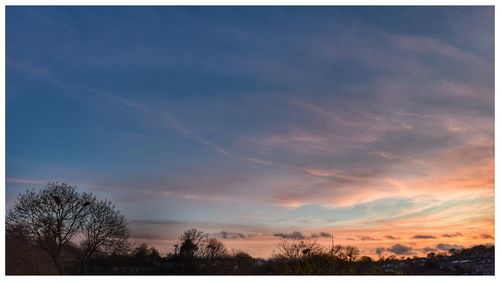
<point x="255" y="124"/>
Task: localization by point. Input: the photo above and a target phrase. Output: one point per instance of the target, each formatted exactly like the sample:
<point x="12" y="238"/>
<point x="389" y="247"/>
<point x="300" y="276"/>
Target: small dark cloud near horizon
<point x="147" y="236"/>
<point x="429" y="249"/>
<point x="446" y="247"/>
<point x="368" y="238"/>
<point x="486" y="236"/>
<point x="424" y="237"/>
<point x="321" y="235"/>
<point x="390" y="237"/>
<point x="293" y="235"/>
<point x="399" y="249"/>
<point x="155" y="221"/>
<point x="456" y="234"/>
<point x="231" y="235"/>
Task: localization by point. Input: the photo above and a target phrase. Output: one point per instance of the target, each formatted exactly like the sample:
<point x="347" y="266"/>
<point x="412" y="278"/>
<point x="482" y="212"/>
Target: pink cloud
<point x="24" y="181"/>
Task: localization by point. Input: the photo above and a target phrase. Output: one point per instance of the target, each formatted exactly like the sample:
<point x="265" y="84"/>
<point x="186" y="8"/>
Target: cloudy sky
<point x="258" y="124"/>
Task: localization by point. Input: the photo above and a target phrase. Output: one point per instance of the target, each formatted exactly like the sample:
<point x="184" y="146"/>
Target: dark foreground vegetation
<point x="59" y="231"/>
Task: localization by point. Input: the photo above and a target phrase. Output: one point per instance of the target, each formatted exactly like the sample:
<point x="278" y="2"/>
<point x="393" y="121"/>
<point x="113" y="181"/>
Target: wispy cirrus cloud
<point x="433" y="46"/>
<point x="24" y="181"/>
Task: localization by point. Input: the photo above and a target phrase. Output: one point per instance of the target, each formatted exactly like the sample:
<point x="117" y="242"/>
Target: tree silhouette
<point x="57" y="214"/>
<point x="188" y="249"/>
<point x="214" y="249"/>
<point x="154" y="254"/>
<point x="103" y="229"/>
<point x="297" y="249"/>
<point x="192" y="240"/>
<point x="351" y="253"/>
<point x="141" y="251"/>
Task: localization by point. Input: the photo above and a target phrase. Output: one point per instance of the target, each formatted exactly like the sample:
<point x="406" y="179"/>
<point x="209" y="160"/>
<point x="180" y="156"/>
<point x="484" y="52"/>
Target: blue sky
<point x="258" y="120"/>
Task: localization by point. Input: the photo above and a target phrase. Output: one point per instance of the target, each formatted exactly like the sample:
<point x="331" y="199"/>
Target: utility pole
<point x="333" y="253"/>
<point x="176" y="246"/>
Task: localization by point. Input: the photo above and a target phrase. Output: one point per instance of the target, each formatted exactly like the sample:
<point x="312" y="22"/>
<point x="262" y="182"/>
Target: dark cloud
<point x="231" y="235"/>
<point x="399" y="249"/>
<point x="486" y="236"/>
<point x="424" y="237"/>
<point x="147" y="229"/>
<point x="147" y="236"/>
<point x="213" y="226"/>
<point x="154" y="221"/>
<point x="446" y="247"/>
<point x="321" y="234"/>
<point x="390" y="237"/>
<point x="367" y="238"/>
<point x="293" y="235"/>
<point x="452" y="235"/>
<point x="429" y="249"/>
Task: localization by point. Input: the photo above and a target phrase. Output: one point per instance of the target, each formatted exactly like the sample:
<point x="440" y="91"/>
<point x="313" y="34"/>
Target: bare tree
<point x="214" y="249"/>
<point x="103" y="229"/>
<point x="351" y="253"/>
<point x="57" y="214"/>
<point x="298" y="249"/>
<point x="51" y="217"/>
